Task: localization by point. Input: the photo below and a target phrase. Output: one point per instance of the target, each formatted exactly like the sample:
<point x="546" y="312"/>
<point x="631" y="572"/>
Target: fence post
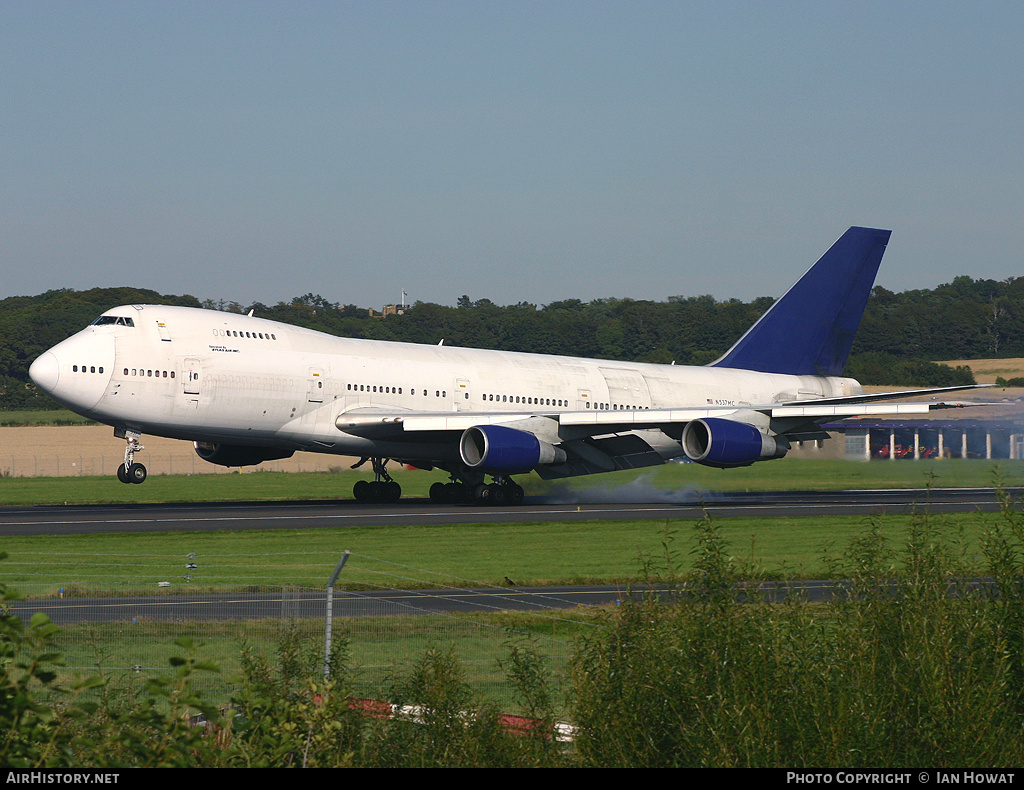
<point x="330" y="613"/>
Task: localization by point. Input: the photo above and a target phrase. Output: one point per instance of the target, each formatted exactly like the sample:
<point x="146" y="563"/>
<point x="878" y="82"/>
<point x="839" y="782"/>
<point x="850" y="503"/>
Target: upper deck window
<point x="119" y="320"/>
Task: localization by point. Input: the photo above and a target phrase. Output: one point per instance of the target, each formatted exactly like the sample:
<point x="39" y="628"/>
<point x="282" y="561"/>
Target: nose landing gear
<point x="129" y="471"/>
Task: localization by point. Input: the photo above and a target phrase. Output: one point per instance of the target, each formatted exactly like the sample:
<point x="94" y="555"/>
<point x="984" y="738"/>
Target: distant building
<point x="992" y="431"/>
<point x="389" y="309"/>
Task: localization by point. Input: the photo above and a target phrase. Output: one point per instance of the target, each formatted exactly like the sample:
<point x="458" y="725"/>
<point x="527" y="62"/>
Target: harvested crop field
<point x="85" y="450"/>
<point x="987" y="370"/>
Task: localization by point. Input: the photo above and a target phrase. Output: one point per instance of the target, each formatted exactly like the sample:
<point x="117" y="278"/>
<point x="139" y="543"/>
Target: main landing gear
<point x="129" y="471"/>
<point x="503" y="491"/>
<point x="466" y="487"/>
<point x="381" y="489"/>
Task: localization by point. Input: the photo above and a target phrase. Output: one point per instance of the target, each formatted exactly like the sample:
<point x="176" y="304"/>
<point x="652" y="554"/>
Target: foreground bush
<point x="909" y="666"/>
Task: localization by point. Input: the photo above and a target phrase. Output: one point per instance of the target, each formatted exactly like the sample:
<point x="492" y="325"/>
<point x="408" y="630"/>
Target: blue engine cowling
<point x="496" y="449"/>
<point x="236" y="455"/>
<point x="715" y="441"/>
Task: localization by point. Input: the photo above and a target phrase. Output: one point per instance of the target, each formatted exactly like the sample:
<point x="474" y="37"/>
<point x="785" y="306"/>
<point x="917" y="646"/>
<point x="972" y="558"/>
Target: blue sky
<point x="515" y="151"/>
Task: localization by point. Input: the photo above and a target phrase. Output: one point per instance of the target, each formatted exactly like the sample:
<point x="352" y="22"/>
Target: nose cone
<point x="76" y="371"/>
<point x="45" y="372"/>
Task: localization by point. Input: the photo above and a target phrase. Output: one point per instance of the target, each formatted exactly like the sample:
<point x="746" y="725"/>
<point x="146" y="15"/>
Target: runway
<point x="175" y="517"/>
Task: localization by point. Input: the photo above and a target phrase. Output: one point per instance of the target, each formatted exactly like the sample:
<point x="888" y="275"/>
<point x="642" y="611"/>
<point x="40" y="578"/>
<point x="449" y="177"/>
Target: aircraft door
<point x="463" y="401"/>
<point x="190" y="376"/>
<point x="315" y="386"/>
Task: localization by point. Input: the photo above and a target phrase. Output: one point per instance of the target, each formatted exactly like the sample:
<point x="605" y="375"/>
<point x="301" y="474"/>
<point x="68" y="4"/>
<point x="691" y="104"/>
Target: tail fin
<point x="810" y="329"/>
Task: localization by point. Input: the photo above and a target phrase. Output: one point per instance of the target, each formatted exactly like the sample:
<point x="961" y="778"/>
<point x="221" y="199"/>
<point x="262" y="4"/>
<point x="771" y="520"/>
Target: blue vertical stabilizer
<point x="810" y="330"/>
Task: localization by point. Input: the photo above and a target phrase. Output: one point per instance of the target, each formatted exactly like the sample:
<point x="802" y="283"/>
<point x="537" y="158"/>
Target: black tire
<point x="514" y="494"/>
<point x="137" y="473"/>
<point x="497" y="494"/>
<point x="450" y="494"/>
<point x="361" y="490"/>
<point x="122" y="474"/>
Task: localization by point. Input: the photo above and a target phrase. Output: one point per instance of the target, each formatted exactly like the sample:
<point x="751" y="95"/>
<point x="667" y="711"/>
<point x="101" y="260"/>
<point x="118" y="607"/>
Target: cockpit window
<point x="113" y="319"/>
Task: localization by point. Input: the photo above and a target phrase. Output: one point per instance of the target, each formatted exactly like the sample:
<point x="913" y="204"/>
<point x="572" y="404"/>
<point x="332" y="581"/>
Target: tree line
<point x="901" y="335"/>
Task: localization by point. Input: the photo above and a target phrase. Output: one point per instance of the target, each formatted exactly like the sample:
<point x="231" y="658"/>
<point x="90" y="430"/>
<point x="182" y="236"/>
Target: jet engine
<point x="497" y="449"/>
<point x="714" y="441"/>
<point x="236" y="455"/>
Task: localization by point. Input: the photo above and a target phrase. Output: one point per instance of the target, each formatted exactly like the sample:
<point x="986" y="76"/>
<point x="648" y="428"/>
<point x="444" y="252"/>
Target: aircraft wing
<point x="377" y="423"/>
<point x="606" y="440"/>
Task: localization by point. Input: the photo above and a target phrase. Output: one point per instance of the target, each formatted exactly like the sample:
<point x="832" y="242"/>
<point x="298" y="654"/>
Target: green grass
<point x="34" y="417"/>
<point x="245" y="487"/>
<point x="789" y="474"/>
<point x="611" y="552"/>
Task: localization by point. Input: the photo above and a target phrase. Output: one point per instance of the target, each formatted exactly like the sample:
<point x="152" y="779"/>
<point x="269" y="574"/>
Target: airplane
<point x="246" y="390"/>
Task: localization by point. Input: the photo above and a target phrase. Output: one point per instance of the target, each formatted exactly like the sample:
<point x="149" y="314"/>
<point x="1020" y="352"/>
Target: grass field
<point x="25" y="417"/>
<point x="611" y="552"/>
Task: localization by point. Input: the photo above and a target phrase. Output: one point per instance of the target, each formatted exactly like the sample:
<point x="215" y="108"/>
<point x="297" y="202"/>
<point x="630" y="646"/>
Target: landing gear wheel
<point x="137" y="473"/>
<point x="497" y="494"/>
<point x="122" y="474"/>
<point x="514" y="494"/>
<point x="361" y="490"/>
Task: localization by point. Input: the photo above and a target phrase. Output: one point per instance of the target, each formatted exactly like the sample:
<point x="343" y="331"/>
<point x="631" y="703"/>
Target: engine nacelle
<point x="237" y="455"/>
<point x="496" y="449"/>
<point x="715" y="441"/>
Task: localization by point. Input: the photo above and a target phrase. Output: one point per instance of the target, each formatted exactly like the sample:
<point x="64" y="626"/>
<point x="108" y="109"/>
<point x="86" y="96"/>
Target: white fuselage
<point x="210" y="376"/>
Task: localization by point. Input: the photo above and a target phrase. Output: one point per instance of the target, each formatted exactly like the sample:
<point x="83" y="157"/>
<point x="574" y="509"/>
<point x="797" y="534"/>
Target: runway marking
<point x="677" y="509"/>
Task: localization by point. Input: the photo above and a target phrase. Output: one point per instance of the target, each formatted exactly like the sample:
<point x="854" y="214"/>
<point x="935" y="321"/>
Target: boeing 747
<point x="247" y="390"/>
